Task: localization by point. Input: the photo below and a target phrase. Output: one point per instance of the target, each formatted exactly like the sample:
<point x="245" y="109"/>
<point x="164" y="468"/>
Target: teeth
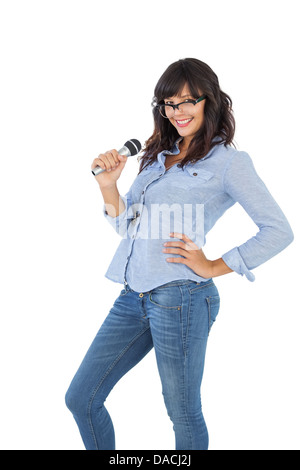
<point x="184" y="122"/>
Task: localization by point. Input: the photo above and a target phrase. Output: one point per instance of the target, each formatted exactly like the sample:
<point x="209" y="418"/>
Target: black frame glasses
<point x="162" y="106"/>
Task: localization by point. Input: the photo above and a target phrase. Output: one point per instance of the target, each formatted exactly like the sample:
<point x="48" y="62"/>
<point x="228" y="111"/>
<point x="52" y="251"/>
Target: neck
<point x="184" y="145"/>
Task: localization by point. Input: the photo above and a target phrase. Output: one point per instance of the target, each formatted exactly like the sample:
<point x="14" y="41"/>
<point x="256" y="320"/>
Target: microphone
<point x="130" y="148"/>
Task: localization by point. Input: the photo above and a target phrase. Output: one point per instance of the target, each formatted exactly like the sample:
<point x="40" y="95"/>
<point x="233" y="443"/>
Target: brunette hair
<point x="218" y="114"/>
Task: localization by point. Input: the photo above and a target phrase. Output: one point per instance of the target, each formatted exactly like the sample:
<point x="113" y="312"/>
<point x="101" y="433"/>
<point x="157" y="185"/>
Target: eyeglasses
<point x="186" y="107"/>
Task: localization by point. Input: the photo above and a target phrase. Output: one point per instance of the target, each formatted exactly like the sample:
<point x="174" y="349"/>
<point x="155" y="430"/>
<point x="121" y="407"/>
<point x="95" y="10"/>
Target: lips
<point x="184" y="122"/>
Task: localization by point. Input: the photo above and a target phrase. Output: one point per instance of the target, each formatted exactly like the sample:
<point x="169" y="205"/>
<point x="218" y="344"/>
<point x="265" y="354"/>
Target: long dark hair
<point x="218" y="115"/>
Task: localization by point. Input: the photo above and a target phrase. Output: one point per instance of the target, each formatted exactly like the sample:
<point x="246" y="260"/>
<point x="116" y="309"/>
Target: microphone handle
<point x="123" y="151"/>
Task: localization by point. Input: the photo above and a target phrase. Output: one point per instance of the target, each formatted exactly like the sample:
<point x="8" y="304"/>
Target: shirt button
<point x="195" y="174"/>
<point x="143" y="192"/>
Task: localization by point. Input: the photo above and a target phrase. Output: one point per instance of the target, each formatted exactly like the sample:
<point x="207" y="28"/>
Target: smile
<point x="184" y="123"/>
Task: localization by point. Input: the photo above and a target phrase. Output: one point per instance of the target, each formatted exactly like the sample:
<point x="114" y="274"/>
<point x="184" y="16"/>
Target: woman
<point x="189" y="176"/>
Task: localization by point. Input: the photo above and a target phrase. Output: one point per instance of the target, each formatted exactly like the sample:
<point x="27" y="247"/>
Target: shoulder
<point x="227" y="164"/>
<point x="229" y="158"/>
<point x="229" y="152"/>
<point x="220" y="158"/>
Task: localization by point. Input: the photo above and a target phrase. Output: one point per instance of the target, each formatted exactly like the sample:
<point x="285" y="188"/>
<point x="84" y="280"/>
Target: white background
<point x="77" y="79"/>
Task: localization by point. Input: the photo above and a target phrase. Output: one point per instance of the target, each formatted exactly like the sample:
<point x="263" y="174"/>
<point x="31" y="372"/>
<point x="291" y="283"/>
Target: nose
<point x="179" y="111"/>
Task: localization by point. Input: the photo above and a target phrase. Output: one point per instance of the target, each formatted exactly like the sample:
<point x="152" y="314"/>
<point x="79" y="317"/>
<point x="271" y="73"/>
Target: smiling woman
<point x="169" y="301"/>
<point x="194" y="81"/>
<point x="190" y="115"/>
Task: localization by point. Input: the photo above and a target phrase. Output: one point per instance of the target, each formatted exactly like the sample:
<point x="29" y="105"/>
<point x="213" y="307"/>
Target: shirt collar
<point x="161" y="157"/>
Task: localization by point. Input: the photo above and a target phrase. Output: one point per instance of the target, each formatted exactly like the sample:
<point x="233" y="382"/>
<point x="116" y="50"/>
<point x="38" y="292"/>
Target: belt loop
<point x="126" y="286"/>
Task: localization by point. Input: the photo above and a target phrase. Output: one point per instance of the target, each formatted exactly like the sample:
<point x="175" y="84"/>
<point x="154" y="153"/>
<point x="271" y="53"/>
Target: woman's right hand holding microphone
<point x="113" y="163"/>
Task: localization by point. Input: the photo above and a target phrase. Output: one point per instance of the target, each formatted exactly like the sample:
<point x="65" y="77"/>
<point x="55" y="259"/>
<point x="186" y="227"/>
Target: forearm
<point x="219" y="268"/>
<point x="113" y="202"/>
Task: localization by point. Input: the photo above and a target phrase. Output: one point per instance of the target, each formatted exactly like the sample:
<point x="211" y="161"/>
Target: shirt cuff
<point x="235" y="262"/>
<point x="120" y="223"/>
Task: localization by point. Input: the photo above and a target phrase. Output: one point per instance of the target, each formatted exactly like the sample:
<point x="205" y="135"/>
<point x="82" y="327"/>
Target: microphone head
<point x="134" y="146"/>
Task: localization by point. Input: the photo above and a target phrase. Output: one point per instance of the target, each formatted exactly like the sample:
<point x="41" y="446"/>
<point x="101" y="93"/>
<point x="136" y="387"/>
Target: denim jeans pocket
<point x="166" y="297"/>
<point x="213" y="303"/>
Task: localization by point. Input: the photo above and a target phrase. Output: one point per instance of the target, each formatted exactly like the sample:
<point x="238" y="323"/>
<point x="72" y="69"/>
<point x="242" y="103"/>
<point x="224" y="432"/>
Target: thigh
<point x="122" y="341"/>
<point x="180" y="319"/>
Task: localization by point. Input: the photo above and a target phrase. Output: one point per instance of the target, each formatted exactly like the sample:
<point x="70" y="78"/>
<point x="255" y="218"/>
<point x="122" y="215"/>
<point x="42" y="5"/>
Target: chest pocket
<point x="198" y="174"/>
<point x="191" y="185"/>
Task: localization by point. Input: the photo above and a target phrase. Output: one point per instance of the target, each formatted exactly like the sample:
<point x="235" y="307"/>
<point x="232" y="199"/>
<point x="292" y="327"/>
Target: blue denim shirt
<point x="190" y="201"/>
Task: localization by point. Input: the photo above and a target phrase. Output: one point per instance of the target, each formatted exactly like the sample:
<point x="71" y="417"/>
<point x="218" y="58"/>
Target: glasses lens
<point x="186" y="108"/>
<point x="168" y="112"/>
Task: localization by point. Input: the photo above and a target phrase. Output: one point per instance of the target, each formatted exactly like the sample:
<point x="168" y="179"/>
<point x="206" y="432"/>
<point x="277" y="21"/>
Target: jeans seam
<point x="200" y="287"/>
<point x="171" y="285"/>
<point x="185" y="402"/>
<point x="185" y="283"/>
<point x="108" y="371"/>
<point x="209" y="313"/>
<point x="185" y="378"/>
<point x="184" y="337"/>
<point x="163" y="306"/>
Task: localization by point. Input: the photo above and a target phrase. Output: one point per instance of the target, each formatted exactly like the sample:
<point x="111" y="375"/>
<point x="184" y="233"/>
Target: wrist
<point x="219" y="268"/>
<point x="109" y="187"/>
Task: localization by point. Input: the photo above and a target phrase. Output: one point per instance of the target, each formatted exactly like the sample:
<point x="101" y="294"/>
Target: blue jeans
<point x="175" y="319"/>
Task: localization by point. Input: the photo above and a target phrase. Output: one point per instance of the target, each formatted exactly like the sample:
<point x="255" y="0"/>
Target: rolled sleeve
<point x="121" y="222"/>
<point x="244" y="185"/>
<point x="235" y="262"/>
